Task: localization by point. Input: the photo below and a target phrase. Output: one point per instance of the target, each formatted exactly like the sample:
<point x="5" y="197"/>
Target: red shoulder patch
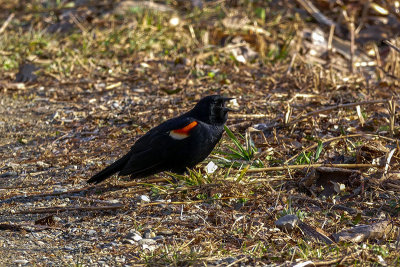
<point x="182" y="133"/>
<point x="187" y="128"/>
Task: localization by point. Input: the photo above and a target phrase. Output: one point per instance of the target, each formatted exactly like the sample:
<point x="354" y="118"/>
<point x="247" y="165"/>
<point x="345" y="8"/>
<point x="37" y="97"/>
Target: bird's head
<point x="212" y="109"/>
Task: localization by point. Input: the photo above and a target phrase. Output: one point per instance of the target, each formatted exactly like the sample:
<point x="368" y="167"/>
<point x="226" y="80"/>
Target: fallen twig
<point x="303" y="166"/>
<point x="314" y="233"/>
<point x="313" y="11"/>
<point x="87" y="188"/>
<point x="63" y="209"/>
<point x="361" y="233"/>
<point x="248" y="116"/>
<point x="25" y="227"/>
<point x="392" y="45"/>
<point x="304" y="117"/>
<point x="337" y="138"/>
<point x="50" y="194"/>
<point x="192" y="201"/>
<point x="5" y="24"/>
<point x="327" y="262"/>
<point x="336" y="107"/>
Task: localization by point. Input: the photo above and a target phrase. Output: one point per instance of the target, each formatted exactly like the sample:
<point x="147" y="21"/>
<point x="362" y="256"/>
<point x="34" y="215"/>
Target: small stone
<point x="147" y="241"/>
<point x="40" y="243"/>
<point x="43" y="164"/>
<point x="8" y="174"/>
<point x="230" y="260"/>
<point x="150" y="248"/>
<point x="287" y="222"/>
<point x="149" y="234"/>
<point x="60" y="190"/>
<point x="134" y="236"/>
<point x="211" y="167"/>
<point x="115" y="105"/>
<point x="91" y="232"/>
<point x="144" y="198"/>
<point x="21" y="261"/>
<point x="128" y="241"/>
<point x="57" y="219"/>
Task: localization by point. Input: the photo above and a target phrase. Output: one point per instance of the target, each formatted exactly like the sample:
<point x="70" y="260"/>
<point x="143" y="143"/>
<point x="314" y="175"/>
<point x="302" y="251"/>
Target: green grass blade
<point x="319" y="150"/>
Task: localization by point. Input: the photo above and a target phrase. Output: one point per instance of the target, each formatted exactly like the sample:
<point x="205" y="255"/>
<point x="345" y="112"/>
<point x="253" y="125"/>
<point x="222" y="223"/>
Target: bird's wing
<point x="150" y="152"/>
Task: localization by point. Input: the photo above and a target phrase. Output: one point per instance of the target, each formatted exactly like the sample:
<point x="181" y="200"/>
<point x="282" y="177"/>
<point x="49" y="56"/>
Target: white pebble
<point x="21" y="261"/>
<point x="91" y="232"/>
<point x="144" y="198"/>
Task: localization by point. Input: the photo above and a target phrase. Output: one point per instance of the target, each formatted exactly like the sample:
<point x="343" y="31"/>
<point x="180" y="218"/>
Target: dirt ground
<point x="50" y="147"/>
<point x="311" y="139"/>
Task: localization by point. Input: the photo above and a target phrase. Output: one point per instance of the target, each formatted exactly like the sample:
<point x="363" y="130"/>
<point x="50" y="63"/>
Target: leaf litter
<point x="313" y="99"/>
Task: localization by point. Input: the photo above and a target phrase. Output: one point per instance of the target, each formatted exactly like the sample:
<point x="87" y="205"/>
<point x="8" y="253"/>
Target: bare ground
<point x="89" y="105"/>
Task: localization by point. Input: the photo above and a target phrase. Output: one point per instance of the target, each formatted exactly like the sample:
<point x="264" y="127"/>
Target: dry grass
<point x="109" y="78"/>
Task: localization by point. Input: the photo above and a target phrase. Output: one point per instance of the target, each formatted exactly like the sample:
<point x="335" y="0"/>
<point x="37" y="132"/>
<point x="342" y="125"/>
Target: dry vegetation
<point x="315" y="135"/>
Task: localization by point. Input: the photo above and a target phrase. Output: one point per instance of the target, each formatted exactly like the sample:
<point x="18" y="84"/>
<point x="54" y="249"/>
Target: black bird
<point x="175" y="144"/>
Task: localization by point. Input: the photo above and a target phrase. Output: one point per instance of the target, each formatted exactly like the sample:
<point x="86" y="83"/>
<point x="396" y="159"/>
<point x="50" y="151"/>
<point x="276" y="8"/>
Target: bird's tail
<point x="110" y="170"/>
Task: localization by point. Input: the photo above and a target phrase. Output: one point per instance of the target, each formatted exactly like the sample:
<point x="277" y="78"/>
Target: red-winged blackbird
<point x="174" y="145"/>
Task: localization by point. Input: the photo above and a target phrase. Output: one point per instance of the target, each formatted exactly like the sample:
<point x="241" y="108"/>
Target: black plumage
<point x="174" y="145"/>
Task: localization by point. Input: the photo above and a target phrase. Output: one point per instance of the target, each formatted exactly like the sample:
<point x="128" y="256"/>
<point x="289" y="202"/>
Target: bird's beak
<point x="227" y="99"/>
<point x="228" y="109"/>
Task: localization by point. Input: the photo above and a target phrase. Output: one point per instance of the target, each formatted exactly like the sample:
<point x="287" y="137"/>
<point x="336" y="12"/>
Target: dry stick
<point x="391" y="76"/>
<point x="236" y="261"/>
<point x="86" y="188"/>
<point x="5" y="24"/>
<point x="115" y="207"/>
<point x="392" y="45"/>
<point x="336" y="138"/>
<point x="59" y="9"/>
<point x="50" y="194"/>
<point x="324" y="110"/>
<point x="330" y="39"/>
<point x="62" y="209"/>
<point x="313" y="11"/>
<point x="77" y="23"/>
<point x="191" y="202"/>
<point x="59" y="193"/>
<point x="336" y="107"/>
<point x="294" y="167"/>
<point x="24" y="227"/>
<point x="392" y="112"/>
<point x="289" y="69"/>
<point x="248" y="116"/>
<point x="327" y="263"/>
<point x="321" y="61"/>
<point x="352" y="43"/>
<point x="172" y="203"/>
<point x="149" y="181"/>
<point x="92" y="200"/>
